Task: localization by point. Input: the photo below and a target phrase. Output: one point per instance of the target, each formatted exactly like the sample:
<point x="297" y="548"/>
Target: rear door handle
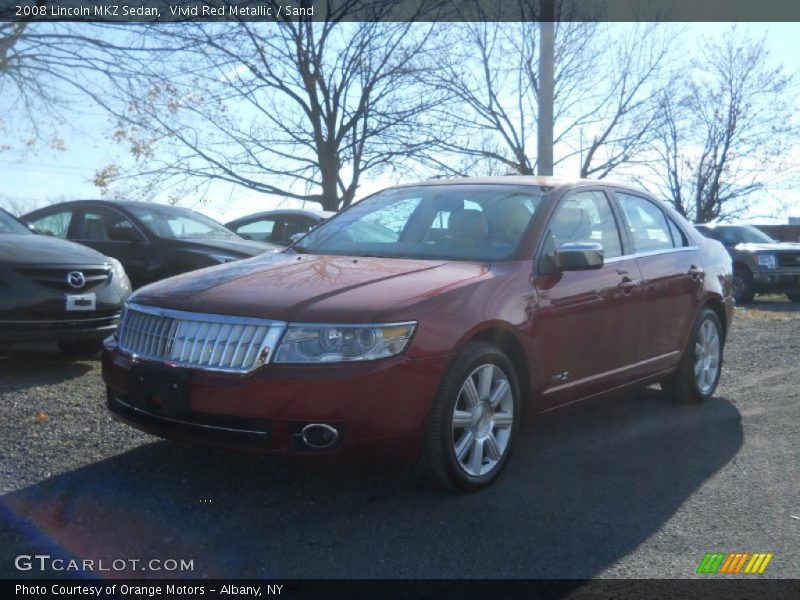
<point x="627" y="285"/>
<point x="695" y="272"/>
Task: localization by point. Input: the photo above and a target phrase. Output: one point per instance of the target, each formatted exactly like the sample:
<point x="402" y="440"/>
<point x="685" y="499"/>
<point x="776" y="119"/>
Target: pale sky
<point x="48" y="175"/>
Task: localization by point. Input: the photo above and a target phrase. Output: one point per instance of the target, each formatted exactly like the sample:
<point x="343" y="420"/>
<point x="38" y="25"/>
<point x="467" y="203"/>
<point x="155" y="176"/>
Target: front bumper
<point x="379" y="408"/>
<point x="64" y="329"/>
<point x="780" y="279"/>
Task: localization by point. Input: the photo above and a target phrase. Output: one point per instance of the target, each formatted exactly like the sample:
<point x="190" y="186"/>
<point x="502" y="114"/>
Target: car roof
<point x="105" y="201"/>
<point x="537" y="180"/>
<point x="300" y="212"/>
<point x="122" y="204"/>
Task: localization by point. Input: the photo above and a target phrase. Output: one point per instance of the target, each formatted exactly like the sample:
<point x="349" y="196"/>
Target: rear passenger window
<point x="648" y="225"/>
<point x="678" y="237"/>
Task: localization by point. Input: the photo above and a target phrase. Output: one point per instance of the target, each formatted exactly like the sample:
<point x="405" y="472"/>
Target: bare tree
<point x="18" y="206"/>
<point x="490" y="112"/>
<point x="728" y="133"/>
<point x="298" y="109"/>
<point x="607" y="78"/>
<point x="53" y="76"/>
<point x="50" y="71"/>
<point x="622" y="121"/>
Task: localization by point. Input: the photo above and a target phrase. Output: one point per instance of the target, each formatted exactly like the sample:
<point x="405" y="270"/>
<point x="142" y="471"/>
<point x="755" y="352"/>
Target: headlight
<point x="312" y="343"/>
<point x="766" y="260"/>
<point x="118" y="272"/>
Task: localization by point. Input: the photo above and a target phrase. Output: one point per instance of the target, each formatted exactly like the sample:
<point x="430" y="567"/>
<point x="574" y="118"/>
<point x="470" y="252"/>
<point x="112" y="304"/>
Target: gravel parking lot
<point x="632" y="487"/>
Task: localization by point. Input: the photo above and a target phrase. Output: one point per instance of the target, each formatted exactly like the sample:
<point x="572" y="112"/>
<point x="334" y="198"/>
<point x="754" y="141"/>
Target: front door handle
<point x="627" y="285"/>
<point x="695" y="272"/>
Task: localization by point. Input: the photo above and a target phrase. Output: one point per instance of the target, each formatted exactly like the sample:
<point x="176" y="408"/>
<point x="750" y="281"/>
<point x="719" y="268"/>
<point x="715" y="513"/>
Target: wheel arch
<point x="510" y="344"/>
<point x="718" y="307"/>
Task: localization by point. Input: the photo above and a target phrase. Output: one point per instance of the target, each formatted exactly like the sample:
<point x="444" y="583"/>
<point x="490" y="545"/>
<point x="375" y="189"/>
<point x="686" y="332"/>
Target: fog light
<point x="319" y="435"/>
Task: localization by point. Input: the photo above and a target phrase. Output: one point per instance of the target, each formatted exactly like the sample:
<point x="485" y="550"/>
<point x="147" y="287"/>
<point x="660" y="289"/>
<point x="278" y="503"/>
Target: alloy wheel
<point x="482" y="420"/>
<point x="707" y="352"/>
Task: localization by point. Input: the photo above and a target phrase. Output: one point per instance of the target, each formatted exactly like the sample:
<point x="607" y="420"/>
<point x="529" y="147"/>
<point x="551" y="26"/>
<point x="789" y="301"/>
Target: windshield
<point x="455" y="222"/>
<point x="9" y="224"/>
<point x="739" y="234"/>
<point x="180" y="224"/>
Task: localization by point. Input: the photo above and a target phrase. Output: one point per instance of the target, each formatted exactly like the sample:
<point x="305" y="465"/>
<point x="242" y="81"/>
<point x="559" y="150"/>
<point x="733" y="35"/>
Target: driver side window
<point x="102" y="225"/>
<point x="586" y="217"/>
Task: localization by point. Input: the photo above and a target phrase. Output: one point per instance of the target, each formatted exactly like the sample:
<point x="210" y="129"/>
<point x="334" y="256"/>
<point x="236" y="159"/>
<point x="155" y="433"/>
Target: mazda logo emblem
<point x="76" y="280"/>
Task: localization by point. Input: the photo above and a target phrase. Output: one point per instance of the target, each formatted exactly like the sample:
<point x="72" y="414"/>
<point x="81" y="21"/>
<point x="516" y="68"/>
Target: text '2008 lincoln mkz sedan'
<point x="424" y="321"/>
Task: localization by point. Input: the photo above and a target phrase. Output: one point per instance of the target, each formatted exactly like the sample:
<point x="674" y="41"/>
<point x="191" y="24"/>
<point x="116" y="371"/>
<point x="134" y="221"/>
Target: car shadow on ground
<point x="31" y="365"/>
<point x="585" y="486"/>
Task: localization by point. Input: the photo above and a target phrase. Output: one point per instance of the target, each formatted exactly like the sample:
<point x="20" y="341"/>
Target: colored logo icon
<point x="737" y="562"/>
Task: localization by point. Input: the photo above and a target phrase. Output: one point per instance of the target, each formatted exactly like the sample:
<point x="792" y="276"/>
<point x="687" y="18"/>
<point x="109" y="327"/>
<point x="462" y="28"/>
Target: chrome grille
<point x="198" y="340"/>
<point x="56" y="277"/>
<point x="786" y="259"/>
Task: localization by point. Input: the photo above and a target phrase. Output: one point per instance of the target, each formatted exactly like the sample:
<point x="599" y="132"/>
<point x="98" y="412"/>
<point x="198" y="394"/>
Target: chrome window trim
<point x="275" y="331"/>
<point x="76" y="319"/>
<point x="650" y="253"/>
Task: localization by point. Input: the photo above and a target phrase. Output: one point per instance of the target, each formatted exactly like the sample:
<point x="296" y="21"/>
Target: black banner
<point x="399" y="10"/>
<point x="464" y="589"/>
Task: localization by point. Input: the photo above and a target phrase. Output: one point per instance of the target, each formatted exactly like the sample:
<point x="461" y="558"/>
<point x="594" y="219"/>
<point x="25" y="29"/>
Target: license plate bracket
<point x="160" y="390"/>
<point x="81" y="302"/>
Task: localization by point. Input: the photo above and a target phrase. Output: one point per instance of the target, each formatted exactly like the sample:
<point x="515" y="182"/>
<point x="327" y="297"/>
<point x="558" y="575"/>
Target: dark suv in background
<point x="760" y="264"/>
<point x="152" y="241"/>
<point x="54" y="290"/>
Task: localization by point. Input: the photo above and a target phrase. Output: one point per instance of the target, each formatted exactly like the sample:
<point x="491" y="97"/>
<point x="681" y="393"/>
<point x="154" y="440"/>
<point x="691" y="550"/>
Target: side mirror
<point x="31" y="226"/>
<point x="577" y="256"/>
<point x="295" y="237"/>
<point x="124" y="234"/>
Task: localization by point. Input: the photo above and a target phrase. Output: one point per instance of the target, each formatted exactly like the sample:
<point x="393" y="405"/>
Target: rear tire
<point x="81" y="347"/>
<point x="793" y="296"/>
<point x="698" y="373"/>
<point x="744" y="286"/>
<point x="473" y="421"/>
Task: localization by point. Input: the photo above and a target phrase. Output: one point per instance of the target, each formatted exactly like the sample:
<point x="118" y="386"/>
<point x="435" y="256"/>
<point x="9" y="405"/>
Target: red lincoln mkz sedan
<point x="424" y="320"/>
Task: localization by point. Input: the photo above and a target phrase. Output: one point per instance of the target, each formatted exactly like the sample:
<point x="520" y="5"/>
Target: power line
<point x="30" y="166"/>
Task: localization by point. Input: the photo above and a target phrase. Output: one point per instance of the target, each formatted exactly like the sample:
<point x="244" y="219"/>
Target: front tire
<point x="81" y="347"/>
<point x="474" y="420"/>
<point x="698" y="374"/>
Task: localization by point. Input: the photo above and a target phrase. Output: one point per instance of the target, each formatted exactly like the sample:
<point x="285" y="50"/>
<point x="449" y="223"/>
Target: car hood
<point x="769" y="247"/>
<point x="24" y="249"/>
<point x="238" y="248"/>
<point x="292" y="287"/>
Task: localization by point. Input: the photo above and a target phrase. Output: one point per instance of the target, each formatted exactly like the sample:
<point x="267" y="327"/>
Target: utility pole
<point x="546" y="76"/>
